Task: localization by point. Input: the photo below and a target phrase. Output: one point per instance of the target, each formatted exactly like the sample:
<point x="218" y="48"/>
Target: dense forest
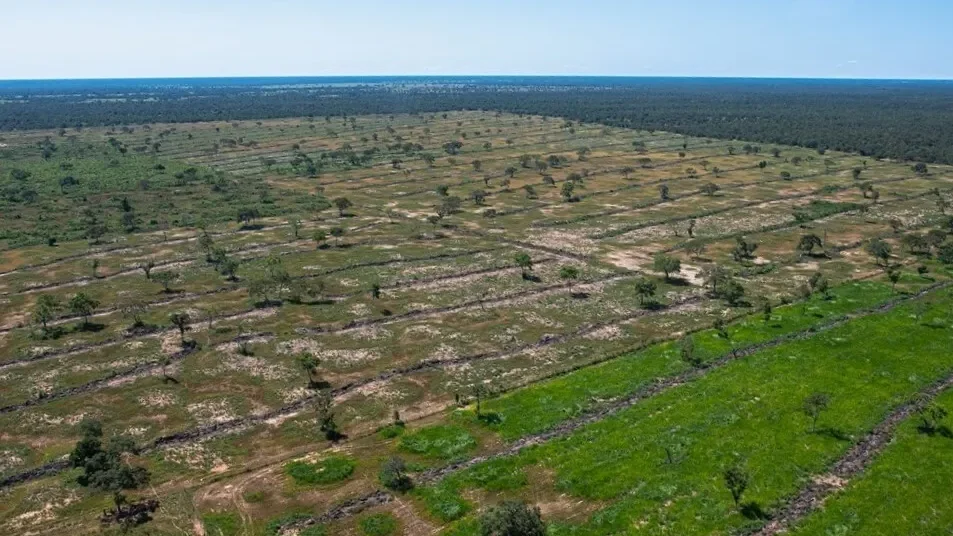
<point x="910" y="120"/>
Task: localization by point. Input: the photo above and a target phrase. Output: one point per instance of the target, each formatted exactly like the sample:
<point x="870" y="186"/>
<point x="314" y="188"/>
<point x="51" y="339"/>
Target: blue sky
<point x="768" y="38"/>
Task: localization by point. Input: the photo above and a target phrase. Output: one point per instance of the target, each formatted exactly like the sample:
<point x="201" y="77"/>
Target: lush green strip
<point x="543" y="405"/>
<point x="659" y="463"/>
<point x="906" y="491"/>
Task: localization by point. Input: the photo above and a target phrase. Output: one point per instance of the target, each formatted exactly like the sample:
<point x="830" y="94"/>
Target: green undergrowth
<point x="443" y="441"/>
<point x="327" y="471"/>
<point x="222" y="524"/>
<point x="382" y="524"/>
<point x="545" y="404"/>
<point x="658" y="465"/>
<point x="905" y="491"/>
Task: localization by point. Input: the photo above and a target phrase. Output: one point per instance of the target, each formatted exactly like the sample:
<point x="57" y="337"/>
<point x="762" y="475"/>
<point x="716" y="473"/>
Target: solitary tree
<point x="525" y="263"/>
<point x="569" y="274"/>
<point x="808" y="242"/>
<point x="766" y="309"/>
<point x="443" y="190"/>
<point x="880" y="250"/>
<point x="894" y="277"/>
<point x="82" y="305"/>
<point x="46" y="307"/>
<point x="165" y="279"/>
<point x="732" y="292"/>
<point x="206" y="244"/>
<point x="479" y="197"/>
<point x="819" y="284"/>
<point x="134" y="311"/>
<point x="721" y="329"/>
<point x="814" y="405"/>
<point x="686" y="350"/>
<point x="309" y="363"/>
<point x="736" y="480"/>
<point x="512" y="518"/>
<point x="337" y="233"/>
<point x="743" y="249"/>
<point x="479" y="393"/>
<point x="324" y="405"/>
<point x="666" y="264"/>
<point x="342" y="204"/>
<point x="147" y="267"/>
<point x="181" y="321"/>
<point x="645" y="288"/>
<point x="567" y="191"/>
<point x="393" y="475"/>
<point x="710" y="189"/>
<point x="320" y="237"/>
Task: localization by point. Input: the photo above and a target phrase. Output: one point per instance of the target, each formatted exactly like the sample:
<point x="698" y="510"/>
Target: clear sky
<point x="784" y="38"/>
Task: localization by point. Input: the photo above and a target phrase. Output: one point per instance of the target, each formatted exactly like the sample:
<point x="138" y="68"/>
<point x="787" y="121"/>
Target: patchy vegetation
<point x="385" y="324"/>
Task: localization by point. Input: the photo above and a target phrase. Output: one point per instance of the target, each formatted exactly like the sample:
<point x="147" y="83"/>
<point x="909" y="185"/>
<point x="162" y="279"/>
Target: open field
<point x="494" y="281"/>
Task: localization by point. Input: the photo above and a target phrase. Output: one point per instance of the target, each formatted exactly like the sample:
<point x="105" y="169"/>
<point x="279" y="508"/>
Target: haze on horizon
<point x="733" y="38"/>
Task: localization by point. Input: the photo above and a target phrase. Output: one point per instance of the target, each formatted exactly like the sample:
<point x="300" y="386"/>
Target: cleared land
<point x="417" y="297"/>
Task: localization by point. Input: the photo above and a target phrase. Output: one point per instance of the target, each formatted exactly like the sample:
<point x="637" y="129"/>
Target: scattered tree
<point x="880" y="250"/>
<point x="710" y="189"/>
<point x="309" y="363"/>
<point x="567" y="191"/>
<point x="324" y="405"/>
<point x="743" y="250"/>
<point x="666" y="264"/>
<point x="147" y="267"/>
<point x="814" y="405"/>
<point x="82" y="305"/>
<point x="569" y="274"/>
<point x="393" y="475"/>
<point x="479" y="197"/>
<point x="645" y="288"/>
<point x="181" y="321"/>
<point x="46" y="307"/>
<point x="737" y="479"/>
<point x="686" y="350"/>
<point x="808" y="243"/>
<point x="894" y="277"/>
<point x="165" y="279"/>
<point x="342" y="204"/>
<point x="525" y="264"/>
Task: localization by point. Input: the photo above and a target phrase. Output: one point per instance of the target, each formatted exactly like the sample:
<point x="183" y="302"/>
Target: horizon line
<point x="411" y="75"/>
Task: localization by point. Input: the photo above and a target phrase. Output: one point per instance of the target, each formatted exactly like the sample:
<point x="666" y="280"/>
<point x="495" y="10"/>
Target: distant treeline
<point x="882" y="119"/>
